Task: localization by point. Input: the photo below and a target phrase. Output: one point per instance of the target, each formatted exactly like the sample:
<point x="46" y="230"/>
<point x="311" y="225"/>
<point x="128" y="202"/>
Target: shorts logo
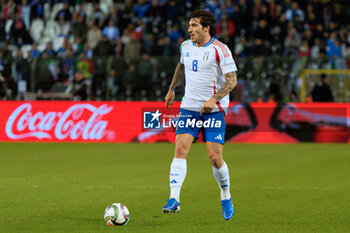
<point x="151" y="120"/>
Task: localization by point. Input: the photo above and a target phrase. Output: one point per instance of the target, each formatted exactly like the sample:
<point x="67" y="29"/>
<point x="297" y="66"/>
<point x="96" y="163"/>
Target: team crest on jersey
<point x="206" y="55"/>
<point x="187" y="54"/>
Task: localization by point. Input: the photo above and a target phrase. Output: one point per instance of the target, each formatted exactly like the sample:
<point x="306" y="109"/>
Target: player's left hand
<point x="208" y="106"/>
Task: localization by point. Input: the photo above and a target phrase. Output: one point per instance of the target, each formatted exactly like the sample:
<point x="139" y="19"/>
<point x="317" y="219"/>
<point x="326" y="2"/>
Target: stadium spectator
<point x="2" y="27"/>
<point x="316" y="49"/>
<point x="274" y="9"/>
<point x="79" y="27"/>
<point x="274" y="94"/>
<point x="174" y="34"/>
<point x="334" y="49"/>
<point x="130" y="80"/>
<point x="80" y="87"/>
<point x="36" y="9"/>
<point x="140" y="30"/>
<point x="62" y="50"/>
<point x="25" y="13"/>
<point x="3" y="88"/>
<point x="263" y="32"/>
<point x="9" y="10"/>
<point x="35" y="52"/>
<point x="149" y="44"/>
<point x="65" y="13"/>
<point x="165" y="48"/>
<point x="132" y="51"/>
<point x="228" y="40"/>
<point x="241" y="47"/>
<point x="103" y="48"/>
<point x="112" y="84"/>
<point x="119" y="48"/>
<point x="294" y="11"/>
<point x="43" y="75"/>
<point x="155" y="12"/>
<point x="62" y="27"/>
<point x="111" y="32"/>
<point x="141" y="8"/>
<point x="259" y="48"/>
<point x="245" y="16"/>
<point x="19" y="33"/>
<point x="94" y="35"/>
<point x="145" y="70"/>
<point x="114" y="16"/>
<point x="98" y="14"/>
<point x="172" y="11"/>
<point x="68" y="65"/>
<point x="292" y="41"/>
<point x="304" y="49"/>
<point x="264" y="14"/>
<point x="257" y="5"/>
<point x="2" y="64"/>
<point x="228" y="8"/>
<point x="293" y="97"/>
<point x="85" y="66"/>
<point x="225" y="24"/>
<point x="5" y="62"/>
<point x="22" y="70"/>
<point x="50" y="52"/>
<point x="346" y="45"/>
<point x="278" y="33"/>
<point x="322" y="92"/>
<point x="77" y="46"/>
<point x="80" y="11"/>
<point x="88" y="51"/>
<point x="127" y="13"/>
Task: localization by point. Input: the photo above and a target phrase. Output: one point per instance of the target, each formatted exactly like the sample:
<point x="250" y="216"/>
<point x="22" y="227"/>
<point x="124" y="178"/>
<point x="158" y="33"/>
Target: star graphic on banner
<point x="155" y="115"/>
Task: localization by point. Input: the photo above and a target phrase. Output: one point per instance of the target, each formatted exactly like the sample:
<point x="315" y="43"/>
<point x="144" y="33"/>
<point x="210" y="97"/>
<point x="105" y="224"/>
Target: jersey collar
<point x="207" y="44"/>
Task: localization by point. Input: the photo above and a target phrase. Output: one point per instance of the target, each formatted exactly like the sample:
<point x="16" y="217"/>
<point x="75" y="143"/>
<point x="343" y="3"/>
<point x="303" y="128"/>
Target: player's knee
<point x="181" y="150"/>
<point x="216" y="162"/>
<point x="215" y="158"/>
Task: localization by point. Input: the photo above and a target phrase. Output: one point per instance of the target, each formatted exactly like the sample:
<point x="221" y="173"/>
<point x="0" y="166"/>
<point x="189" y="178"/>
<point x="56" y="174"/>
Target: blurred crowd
<point x="67" y="36"/>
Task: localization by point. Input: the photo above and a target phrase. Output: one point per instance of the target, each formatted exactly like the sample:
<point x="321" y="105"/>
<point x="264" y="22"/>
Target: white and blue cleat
<point x="172" y="206"/>
<point x="227" y="209"/>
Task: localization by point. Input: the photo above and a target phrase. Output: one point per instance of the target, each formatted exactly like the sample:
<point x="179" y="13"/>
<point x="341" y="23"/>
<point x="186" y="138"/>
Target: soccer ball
<point x="116" y="215"/>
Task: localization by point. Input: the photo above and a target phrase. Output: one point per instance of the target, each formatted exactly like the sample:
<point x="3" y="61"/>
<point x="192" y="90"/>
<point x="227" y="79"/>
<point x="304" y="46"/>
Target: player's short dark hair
<point x="206" y="19"/>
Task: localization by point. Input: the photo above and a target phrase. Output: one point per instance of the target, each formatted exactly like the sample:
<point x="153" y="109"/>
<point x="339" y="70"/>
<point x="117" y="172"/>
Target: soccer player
<point x="209" y="71"/>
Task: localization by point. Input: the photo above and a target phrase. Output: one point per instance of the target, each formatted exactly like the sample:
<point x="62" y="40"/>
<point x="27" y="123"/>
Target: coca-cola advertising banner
<point x="67" y="121"/>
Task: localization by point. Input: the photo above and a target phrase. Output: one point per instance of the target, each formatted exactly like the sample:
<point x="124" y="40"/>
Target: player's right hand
<point x="169" y="98"/>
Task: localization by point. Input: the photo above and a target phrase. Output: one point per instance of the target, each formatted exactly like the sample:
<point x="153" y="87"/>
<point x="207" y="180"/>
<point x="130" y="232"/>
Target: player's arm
<point x="178" y="76"/>
<point x="226" y="88"/>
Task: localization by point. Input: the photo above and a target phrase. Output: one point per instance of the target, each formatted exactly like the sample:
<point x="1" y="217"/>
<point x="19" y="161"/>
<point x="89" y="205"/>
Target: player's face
<point x="196" y="30"/>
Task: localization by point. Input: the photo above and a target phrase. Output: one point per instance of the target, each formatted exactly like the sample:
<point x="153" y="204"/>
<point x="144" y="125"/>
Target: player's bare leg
<point x="221" y="174"/>
<point x="178" y="171"/>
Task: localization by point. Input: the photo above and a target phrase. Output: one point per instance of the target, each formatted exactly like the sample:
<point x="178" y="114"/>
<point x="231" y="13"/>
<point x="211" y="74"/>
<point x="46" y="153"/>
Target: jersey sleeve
<point x="182" y="51"/>
<point x="225" y="59"/>
<point x="181" y="57"/>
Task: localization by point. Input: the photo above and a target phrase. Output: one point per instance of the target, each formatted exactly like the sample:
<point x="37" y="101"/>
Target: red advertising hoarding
<point x="67" y="121"/>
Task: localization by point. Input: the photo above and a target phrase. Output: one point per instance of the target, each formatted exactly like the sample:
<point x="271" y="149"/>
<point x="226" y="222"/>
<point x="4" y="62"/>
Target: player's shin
<point x="222" y="177"/>
<point x="178" y="171"/>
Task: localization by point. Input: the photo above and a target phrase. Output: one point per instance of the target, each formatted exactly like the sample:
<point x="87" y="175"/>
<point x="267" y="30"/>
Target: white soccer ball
<point x="116" y="215"/>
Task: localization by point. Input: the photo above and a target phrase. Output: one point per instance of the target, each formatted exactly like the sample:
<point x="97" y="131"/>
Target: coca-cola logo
<point x="80" y="121"/>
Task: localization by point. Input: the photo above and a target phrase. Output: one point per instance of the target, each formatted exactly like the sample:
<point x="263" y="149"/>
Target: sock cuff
<point x="222" y="168"/>
<point x="178" y="162"/>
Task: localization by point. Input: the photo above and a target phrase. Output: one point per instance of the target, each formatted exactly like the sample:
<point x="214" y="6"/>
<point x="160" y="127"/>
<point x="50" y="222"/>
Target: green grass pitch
<point x="49" y="187"/>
